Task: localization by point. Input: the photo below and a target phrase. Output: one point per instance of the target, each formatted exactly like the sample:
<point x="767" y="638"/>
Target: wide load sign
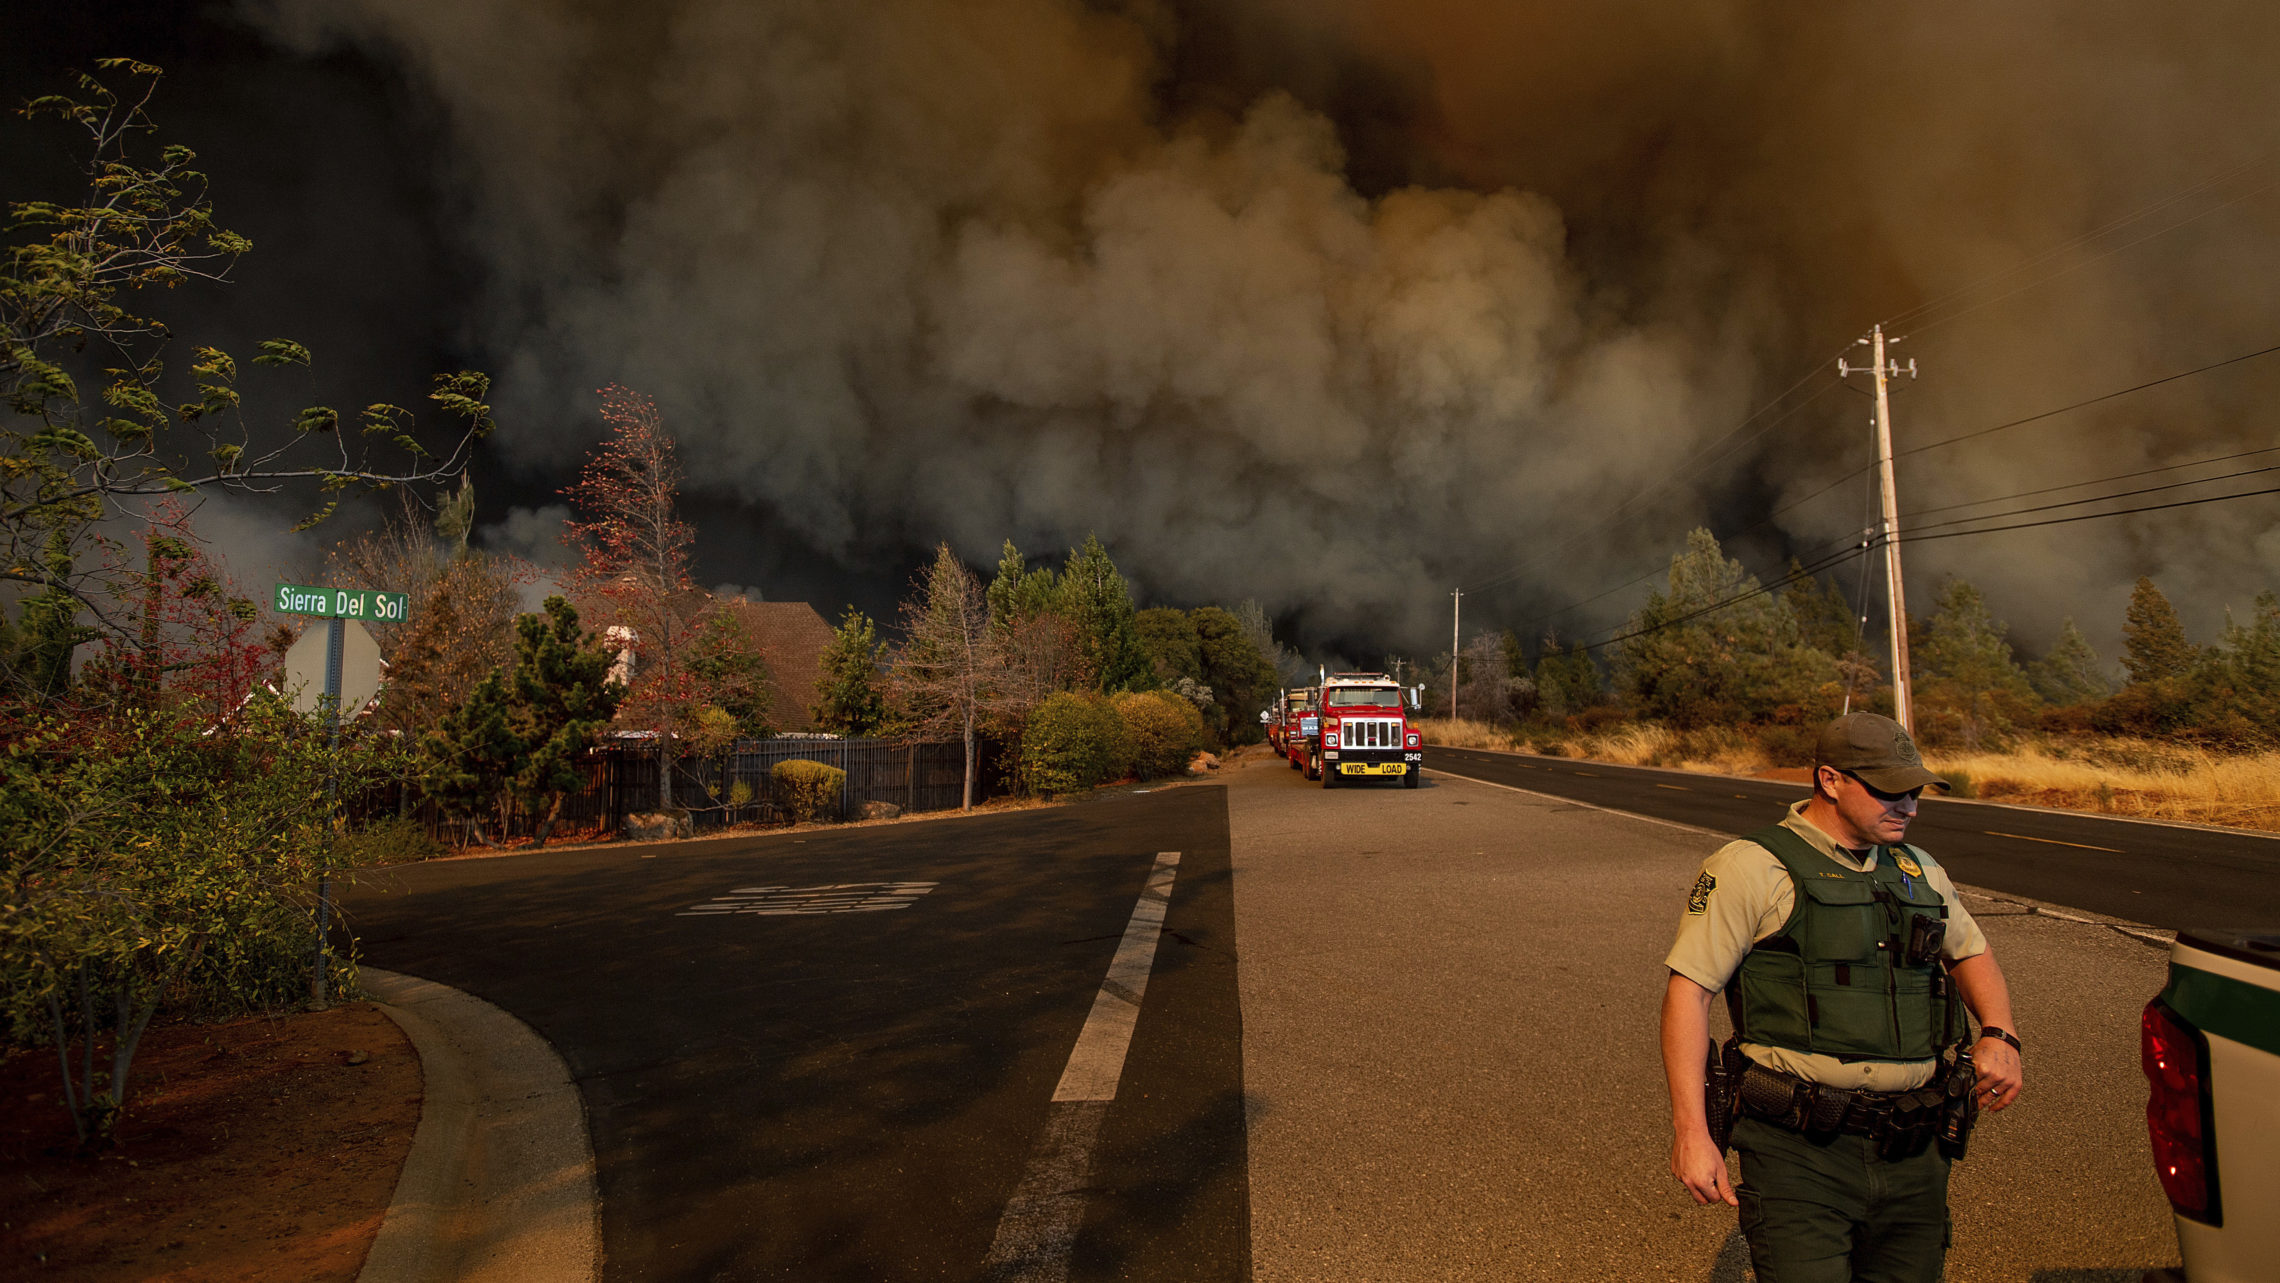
<point x="342" y="603"/>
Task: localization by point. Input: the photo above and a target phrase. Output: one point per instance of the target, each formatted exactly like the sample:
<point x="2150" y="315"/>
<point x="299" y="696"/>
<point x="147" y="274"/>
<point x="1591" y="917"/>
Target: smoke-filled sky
<point x="1334" y="304"/>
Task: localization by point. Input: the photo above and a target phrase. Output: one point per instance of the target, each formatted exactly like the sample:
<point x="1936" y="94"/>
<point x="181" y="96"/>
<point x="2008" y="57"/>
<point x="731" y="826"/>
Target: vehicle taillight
<point x="2177" y="1113"/>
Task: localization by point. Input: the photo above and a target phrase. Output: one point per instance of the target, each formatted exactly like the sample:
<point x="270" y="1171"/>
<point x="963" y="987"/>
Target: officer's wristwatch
<point x="2002" y="1035"/>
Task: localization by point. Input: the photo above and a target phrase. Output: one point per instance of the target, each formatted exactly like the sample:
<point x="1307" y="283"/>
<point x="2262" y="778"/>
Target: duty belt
<point x="1900" y="1123"/>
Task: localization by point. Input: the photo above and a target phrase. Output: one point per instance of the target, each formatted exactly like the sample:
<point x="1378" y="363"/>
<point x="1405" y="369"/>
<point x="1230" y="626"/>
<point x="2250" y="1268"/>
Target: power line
<point x="2093" y="516"/>
<point x="2099" y="481"/>
<point x="1794" y="504"/>
<point x="1799" y="573"/>
<point x="2102" y="498"/>
<point x="1865" y="545"/>
<point x="2065" y="409"/>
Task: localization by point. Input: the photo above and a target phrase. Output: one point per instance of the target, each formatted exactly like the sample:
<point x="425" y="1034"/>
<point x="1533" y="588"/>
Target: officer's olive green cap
<point x="1877" y="750"/>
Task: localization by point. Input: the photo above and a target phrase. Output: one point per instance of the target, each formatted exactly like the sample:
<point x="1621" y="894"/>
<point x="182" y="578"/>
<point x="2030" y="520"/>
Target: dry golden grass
<point x="1629" y="744"/>
<point x="2106" y="776"/>
<point x="1462" y="733"/>
<point x="2128" y="777"/>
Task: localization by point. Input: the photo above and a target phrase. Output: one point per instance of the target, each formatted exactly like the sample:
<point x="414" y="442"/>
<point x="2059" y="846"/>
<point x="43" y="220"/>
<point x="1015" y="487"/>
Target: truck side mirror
<point x="1266" y="718"/>
<point x="1417" y="696"/>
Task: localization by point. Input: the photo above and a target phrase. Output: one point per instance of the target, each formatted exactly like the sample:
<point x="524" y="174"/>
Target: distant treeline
<point x="1712" y="647"/>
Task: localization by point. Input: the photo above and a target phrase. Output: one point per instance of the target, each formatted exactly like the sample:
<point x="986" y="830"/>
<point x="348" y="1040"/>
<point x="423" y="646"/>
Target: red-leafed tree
<point x="193" y="647"/>
<point x="633" y="569"/>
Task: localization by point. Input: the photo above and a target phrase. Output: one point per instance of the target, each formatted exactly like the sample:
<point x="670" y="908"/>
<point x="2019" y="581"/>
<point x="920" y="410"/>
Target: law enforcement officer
<point x="1849" y="1084"/>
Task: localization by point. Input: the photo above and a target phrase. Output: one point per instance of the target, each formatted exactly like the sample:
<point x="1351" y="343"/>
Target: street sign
<point x="342" y="603"/>
<point x="307" y="660"/>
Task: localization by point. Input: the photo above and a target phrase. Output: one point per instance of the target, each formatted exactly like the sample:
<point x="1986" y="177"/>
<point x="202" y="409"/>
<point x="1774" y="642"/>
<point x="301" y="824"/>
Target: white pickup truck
<point x="2211" y="1043"/>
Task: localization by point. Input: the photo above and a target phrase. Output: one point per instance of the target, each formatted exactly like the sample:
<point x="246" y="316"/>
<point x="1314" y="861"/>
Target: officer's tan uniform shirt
<point x="1745" y="894"/>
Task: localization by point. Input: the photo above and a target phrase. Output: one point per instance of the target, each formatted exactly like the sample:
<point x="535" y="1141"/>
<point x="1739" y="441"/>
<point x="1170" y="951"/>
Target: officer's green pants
<point x="1836" y="1213"/>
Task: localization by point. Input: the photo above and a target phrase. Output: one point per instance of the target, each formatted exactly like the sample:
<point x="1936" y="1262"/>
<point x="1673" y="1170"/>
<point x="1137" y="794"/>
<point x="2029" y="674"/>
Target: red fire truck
<point x="1291" y="724"/>
<point x="1364" y="732"/>
<point x="1291" y="718"/>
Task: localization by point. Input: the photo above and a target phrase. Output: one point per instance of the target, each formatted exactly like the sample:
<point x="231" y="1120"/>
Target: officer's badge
<point x="1908" y="866"/>
<point x="1698" y="899"/>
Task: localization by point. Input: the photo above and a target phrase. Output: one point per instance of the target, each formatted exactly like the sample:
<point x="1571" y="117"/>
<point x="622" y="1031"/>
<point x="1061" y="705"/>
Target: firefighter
<point x="1849" y="1085"/>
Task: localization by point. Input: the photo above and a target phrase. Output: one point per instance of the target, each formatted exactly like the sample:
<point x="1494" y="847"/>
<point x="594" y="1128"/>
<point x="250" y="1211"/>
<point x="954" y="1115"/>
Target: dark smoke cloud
<point x="1338" y="304"/>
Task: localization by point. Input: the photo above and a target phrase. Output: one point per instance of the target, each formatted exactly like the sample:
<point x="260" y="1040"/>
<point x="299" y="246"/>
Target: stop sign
<point x="359" y="668"/>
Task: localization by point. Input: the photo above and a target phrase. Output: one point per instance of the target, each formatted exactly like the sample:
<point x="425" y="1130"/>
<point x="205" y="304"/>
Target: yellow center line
<point x="2080" y="846"/>
<point x="1676" y="788"/>
<point x="1592" y="774"/>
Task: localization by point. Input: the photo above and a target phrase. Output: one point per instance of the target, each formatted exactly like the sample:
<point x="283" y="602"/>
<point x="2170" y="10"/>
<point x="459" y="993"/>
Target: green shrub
<point x="1072" y="743"/>
<point x="394" y="840"/>
<point x="1163" y="729"/>
<point x="808" y="790"/>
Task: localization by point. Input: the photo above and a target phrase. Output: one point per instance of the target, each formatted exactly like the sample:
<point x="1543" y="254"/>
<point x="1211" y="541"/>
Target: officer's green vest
<point x="1834" y="979"/>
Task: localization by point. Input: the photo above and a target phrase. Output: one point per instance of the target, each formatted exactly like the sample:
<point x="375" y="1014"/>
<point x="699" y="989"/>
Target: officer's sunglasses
<point x="1879" y="794"/>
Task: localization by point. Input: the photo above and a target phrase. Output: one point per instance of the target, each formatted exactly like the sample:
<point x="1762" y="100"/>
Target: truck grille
<point x="1371" y="732"/>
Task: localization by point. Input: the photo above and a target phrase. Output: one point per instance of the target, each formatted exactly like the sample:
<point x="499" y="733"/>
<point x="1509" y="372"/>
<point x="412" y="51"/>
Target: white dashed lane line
<point x="1039" y="1227"/>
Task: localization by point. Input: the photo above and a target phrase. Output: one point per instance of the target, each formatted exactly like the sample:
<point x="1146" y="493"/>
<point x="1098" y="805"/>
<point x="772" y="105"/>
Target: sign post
<point x="340" y="608"/>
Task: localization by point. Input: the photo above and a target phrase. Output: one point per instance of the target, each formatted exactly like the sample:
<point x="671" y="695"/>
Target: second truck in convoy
<point x="1354" y="726"/>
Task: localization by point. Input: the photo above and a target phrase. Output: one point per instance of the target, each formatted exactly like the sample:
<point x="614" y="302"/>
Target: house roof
<point x="793" y="637"/>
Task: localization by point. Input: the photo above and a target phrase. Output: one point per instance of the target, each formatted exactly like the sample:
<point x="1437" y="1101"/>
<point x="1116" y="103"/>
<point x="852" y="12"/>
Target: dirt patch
<point x="251" y="1149"/>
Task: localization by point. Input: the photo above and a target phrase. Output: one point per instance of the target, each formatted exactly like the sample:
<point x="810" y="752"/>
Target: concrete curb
<point x="499" y="1183"/>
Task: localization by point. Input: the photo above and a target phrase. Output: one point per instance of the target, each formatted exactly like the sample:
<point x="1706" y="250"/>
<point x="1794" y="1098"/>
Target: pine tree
<point x="1713" y="647"/>
<point x="1019" y="593"/>
<point x="2154" y="646"/>
<point x="1567" y="681"/>
<point x="561" y="699"/>
<point x="518" y="734"/>
<point x="854" y="701"/>
<point x="1964" y="646"/>
<point x="470" y="755"/>
<point x="1094" y="597"/>
<point x="2070" y="674"/>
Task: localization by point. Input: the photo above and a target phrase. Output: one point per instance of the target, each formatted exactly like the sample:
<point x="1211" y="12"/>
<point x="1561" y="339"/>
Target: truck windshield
<point x="1365" y="696"/>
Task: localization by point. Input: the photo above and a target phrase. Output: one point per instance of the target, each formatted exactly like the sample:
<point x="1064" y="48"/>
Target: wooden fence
<point x="734" y="787"/>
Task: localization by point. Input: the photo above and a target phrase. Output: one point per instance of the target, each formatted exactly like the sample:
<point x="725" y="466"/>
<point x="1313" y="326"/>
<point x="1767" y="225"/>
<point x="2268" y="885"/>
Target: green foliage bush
<point x="1163" y="731"/>
<point x="1073" y="742"/>
<point x="808" y="790"/>
<point x="157" y="861"/>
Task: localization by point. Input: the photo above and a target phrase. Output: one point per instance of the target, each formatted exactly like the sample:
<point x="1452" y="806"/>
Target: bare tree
<point x="946" y="675"/>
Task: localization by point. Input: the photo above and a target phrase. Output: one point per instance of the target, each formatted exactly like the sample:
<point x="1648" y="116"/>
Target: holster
<point x="1722" y="1089"/>
<point x="1959" y="1111"/>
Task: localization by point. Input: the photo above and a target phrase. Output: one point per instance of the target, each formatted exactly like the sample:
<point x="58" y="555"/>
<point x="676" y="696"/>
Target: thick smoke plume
<point x="1338" y="304"/>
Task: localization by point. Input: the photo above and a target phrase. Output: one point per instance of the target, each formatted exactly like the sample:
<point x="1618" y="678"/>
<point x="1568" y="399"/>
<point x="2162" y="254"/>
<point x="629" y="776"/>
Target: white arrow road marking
<point x="1039" y="1227"/>
<point x="841" y="897"/>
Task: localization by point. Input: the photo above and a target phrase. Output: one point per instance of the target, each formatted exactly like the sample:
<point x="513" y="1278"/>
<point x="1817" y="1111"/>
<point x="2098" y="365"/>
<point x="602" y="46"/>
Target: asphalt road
<point x="1436" y="1060"/>
<point x="1450" y="1002"/>
<point x="2164" y="875"/>
<point x="855" y="1094"/>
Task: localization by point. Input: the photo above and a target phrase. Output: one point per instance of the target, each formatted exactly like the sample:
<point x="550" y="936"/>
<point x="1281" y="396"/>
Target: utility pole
<point x="1888" y="530"/>
<point x="1456" y="613"/>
